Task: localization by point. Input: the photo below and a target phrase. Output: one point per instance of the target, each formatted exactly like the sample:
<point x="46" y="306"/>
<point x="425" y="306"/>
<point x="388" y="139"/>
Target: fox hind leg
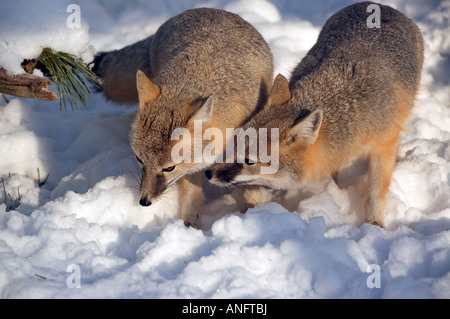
<point x="381" y="164"/>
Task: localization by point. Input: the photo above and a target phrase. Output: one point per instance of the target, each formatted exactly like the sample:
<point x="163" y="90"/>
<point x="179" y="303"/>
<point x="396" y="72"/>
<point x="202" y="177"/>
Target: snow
<point x="85" y="222"/>
<point x="26" y="29"/>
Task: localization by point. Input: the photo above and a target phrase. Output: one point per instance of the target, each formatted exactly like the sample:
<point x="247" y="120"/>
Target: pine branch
<point x="69" y="75"/>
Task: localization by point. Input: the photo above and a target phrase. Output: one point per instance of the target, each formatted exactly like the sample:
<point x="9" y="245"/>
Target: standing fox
<point x="204" y="66"/>
<point x="350" y="96"/>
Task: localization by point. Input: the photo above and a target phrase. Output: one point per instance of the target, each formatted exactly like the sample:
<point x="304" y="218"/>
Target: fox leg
<point x="191" y="198"/>
<point x="382" y="160"/>
<point x="247" y="197"/>
<point x="252" y="196"/>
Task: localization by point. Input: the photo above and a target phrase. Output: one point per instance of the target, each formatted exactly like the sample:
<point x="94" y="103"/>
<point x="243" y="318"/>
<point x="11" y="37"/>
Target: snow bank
<point x="267" y="253"/>
<point x="82" y="233"/>
<point x="28" y="27"/>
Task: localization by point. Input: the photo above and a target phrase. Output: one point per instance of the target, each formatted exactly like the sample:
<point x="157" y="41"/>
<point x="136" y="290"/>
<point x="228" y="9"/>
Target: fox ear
<point x="308" y="128"/>
<point x="280" y="93"/>
<point x="205" y="112"/>
<point x="147" y="90"/>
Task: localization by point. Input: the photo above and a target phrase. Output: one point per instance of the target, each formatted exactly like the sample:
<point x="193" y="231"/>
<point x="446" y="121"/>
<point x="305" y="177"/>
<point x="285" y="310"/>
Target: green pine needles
<point x="70" y="76"/>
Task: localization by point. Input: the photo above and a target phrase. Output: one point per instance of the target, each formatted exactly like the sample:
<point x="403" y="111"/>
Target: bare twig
<point x="42" y="277"/>
<point x="25" y="85"/>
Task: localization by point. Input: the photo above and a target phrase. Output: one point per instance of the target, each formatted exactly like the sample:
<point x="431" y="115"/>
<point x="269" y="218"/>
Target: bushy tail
<point x="118" y="70"/>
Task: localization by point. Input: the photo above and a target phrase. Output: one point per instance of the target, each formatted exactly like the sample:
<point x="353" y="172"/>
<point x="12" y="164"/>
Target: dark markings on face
<point x="160" y="185"/>
<point x="229" y="172"/>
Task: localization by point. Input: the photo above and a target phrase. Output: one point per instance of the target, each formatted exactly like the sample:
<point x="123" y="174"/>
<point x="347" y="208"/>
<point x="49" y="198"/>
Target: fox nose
<point x="144" y="201"/>
<point x="208" y="174"/>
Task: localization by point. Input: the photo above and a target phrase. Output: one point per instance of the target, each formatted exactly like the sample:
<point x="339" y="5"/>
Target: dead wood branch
<point x="25" y="85"/>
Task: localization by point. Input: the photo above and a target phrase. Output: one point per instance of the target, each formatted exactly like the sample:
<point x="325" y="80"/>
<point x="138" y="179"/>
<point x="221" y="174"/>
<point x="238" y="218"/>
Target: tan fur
<point x="351" y="95"/>
<point x="147" y="90"/>
<point x="279" y="94"/>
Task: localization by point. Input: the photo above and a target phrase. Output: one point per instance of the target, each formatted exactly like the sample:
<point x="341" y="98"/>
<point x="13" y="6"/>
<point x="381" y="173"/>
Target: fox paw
<point x="376" y="223"/>
<point x="192" y="221"/>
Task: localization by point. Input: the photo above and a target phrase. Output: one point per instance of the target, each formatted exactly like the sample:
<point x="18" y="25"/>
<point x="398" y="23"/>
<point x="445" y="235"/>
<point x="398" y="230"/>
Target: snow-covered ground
<point x="83" y="234"/>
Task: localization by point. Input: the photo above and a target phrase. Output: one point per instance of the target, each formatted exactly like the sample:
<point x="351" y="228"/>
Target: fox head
<point x="160" y="114"/>
<point x="298" y="131"/>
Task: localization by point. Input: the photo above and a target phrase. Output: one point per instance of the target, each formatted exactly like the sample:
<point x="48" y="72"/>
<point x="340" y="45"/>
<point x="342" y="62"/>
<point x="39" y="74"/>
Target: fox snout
<point x="151" y="188"/>
<point x="144" y="201"/>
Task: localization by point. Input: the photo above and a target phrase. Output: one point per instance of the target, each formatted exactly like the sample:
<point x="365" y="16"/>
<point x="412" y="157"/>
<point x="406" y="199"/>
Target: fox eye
<point x="139" y="160"/>
<point x="169" y="169"/>
<point x="249" y="161"/>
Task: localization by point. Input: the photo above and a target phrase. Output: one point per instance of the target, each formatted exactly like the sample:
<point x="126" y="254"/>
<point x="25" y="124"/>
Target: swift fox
<point x="350" y="96"/>
<point x="204" y="66"/>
